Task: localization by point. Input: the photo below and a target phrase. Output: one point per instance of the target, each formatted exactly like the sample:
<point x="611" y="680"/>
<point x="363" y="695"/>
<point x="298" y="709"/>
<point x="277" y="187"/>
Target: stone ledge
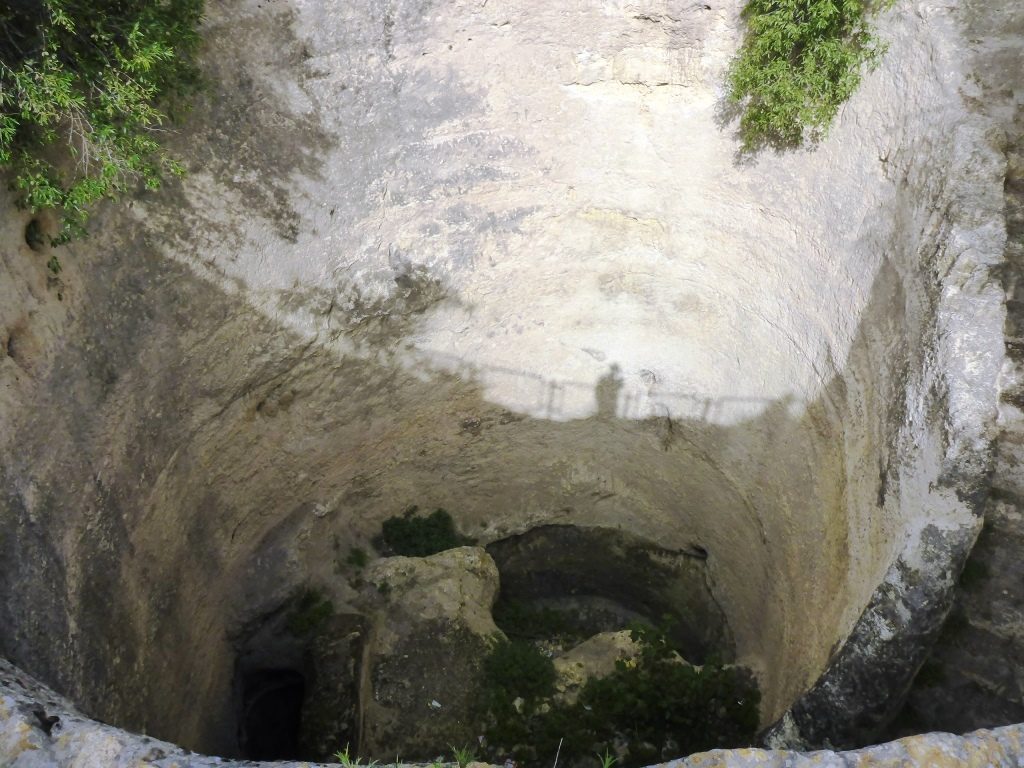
<point x="75" y="741"/>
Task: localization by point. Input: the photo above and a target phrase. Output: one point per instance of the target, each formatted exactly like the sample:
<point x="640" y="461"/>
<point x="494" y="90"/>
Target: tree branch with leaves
<point x="86" y="87"/>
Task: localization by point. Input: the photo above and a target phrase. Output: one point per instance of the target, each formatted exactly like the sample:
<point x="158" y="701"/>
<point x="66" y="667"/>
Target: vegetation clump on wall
<point x="415" y="535"/>
<point x="800" y="61"/>
<point x="85" y="88"/>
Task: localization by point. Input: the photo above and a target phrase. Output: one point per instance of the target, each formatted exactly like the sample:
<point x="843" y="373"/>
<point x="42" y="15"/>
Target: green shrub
<point x="659" y="703"/>
<point x="84" y="90"/>
<point x="414" y="536"/>
<point x="515" y="668"/>
<point x="655" y="705"/>
<point x="800" y="60"/>
<point x="463" y="755"/>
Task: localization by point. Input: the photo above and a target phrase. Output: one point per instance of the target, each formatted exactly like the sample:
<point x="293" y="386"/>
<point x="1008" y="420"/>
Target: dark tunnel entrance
<point x="271" y="714"/>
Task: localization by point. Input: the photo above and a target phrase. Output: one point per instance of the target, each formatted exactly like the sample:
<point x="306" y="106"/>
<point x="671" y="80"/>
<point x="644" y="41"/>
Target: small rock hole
<point x="34" y="237"/>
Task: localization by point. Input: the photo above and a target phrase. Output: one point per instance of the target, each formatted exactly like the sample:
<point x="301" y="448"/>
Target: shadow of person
<point x="606" y="392"/>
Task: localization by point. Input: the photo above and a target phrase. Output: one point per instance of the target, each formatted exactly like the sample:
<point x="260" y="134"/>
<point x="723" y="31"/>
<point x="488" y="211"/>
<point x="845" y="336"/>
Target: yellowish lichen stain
<point x="722" y="759"/>
<point x="987" y="753"/>
<point x="623" y="220"/>
<point x="25" y="742"/>
<point x="873" y="760"/>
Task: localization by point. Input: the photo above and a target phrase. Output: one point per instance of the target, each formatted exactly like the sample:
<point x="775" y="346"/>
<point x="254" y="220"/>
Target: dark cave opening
<point x="605" y="579"/>
<point x="271" y="717"/>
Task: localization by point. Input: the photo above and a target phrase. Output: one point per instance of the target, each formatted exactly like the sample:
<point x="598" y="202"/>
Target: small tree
<point x="85" y="86"/>
<point x="800" y="60"/>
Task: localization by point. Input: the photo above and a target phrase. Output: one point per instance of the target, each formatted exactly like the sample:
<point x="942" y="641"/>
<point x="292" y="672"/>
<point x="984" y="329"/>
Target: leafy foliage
<point x="516" y="668"/>
<point x="416" y="536"/>
<point x="656" y="705"/>
<point x="800" y="61"/>
<point x="85" y="86"/>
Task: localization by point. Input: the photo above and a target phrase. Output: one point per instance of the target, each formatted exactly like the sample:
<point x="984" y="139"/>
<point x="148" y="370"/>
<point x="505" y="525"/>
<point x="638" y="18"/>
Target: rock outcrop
<point x="594" y="657"/>
<point x="430" y="630"/>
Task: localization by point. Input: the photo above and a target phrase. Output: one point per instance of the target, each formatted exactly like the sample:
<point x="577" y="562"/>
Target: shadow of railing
<point x="611" y="395"/>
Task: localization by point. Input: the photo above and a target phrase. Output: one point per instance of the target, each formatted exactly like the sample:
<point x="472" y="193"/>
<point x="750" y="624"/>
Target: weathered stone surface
<point x="594" y="657"/>
<point x="870" y="674"/>
<point x="975" y="675"/>
<point x="996" y="748"/>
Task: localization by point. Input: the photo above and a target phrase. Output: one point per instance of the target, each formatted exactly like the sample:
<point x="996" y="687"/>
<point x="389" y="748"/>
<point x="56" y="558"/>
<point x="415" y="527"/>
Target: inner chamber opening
<point x="606" y="579"/>
<point x="272" y="702"/>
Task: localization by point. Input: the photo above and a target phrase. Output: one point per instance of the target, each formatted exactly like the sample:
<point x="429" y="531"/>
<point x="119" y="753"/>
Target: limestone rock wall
<point x="502" y="258"/>
<point x="973" y="676"/>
